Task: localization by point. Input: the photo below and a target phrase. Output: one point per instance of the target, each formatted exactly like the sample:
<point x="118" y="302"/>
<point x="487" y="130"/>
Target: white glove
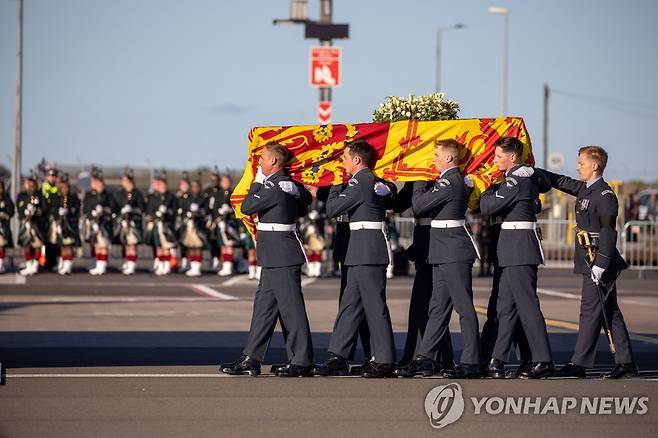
<point x="597" y="273"/>
<point x="127" y="209"/>
<point x="382" y="189"/>
<point x="194" y="207"/>
<point x="524" y="171"/>
<point x="99" y="209"/>
<point x="260" y="176"/>
<point x="225" y="209"/>
<point x="468" y="181"/>
<point x="63" y="211"/>
<point x="162" y="209"/>
<point x="290" y="188"/>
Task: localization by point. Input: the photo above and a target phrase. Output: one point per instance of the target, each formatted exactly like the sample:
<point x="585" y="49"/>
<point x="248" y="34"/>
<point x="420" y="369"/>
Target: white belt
<point x="423" y="221"/>
<point x="276" y="227"/>
<point x="448" y="223"/>
<point x="367" y="225"/>
<point x="519" y="225"/>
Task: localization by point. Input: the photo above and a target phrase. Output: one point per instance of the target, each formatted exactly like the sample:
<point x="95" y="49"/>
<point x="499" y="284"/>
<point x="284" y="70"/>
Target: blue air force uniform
<point x="596" y="213"/>
<point x="280" y="254"/>
<point x="366" y="259"/>
<point x="452" y="252"/>
<point x="421" y="291"/>
<point x="518" y="254"/>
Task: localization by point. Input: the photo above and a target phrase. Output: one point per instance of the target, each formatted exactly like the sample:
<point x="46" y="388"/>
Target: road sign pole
<point x="325" y="92"/>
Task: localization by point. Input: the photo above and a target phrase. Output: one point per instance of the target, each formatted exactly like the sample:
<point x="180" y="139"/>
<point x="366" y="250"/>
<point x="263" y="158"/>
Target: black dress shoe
<point x="379" y="371"/>
<point x="467" y="371"/>
<point x="246" y="365"/>
<point x="516" y="373"/>
<point x="496" y="369"/>
<point x="357" y="370"/>
<point x="291" y="370"/>
<point x="420" y="366"/>
<point x="334" y="366"/>
<point x="538" y="370"/>
<point x="572" y="371"/>
<point x="622" y="370"/>
<point x="277" y="367"/>
<point x="444" y="369"/>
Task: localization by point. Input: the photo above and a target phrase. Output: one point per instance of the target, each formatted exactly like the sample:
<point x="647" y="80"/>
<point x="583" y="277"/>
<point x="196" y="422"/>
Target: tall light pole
<point x="18" y="140"/>
<point x="498" y="10"/>
<point x="439" y="33"/>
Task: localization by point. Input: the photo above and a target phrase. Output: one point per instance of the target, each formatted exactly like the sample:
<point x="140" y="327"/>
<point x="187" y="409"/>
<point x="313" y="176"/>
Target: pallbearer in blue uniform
<point x="519" y="254"/>
<point x="452" y="252"/>
<point x="421" y="291"/>
<point x="278" y="201"/>
<point x="6" y="213"/>
<point x="128" y="229"/>
<point x="64" y="215"/>
<point x="366" y="260"/>
<point x="596" y="217"/>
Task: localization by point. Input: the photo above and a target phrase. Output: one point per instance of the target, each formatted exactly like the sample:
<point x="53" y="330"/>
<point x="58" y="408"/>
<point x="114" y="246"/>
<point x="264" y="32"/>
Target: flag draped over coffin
<point x="405" y="151"/>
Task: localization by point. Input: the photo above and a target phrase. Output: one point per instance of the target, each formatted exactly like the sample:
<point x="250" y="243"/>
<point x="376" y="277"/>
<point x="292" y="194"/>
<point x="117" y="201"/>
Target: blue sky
<point x="180" y="83"/>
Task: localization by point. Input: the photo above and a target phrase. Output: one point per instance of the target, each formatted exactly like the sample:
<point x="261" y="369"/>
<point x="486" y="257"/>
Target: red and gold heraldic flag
<point x="405" y="151"/>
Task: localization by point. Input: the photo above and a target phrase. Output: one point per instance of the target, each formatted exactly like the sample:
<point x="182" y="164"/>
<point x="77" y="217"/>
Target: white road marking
<point x="210" y="292"/>
<point x="236" y="279"/>
<point x="12" y="279"/>
<point x="115" y="376"/>
<point x="96" y="299"/>
<point x="555" y="293"/>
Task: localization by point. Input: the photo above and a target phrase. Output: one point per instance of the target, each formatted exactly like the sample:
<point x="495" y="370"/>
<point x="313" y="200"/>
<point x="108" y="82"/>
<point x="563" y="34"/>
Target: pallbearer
<point x="519" y="253"/>
<point x="366" y="261"/>
<point x="596" y="217"/>
<point x="278" y="201"/>
<point x="452" y="252"/>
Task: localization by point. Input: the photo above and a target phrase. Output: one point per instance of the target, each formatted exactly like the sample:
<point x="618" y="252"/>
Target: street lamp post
<point x="439" y="35"/>
<point x="498" y="10"/>
<point x="18" y="140"/>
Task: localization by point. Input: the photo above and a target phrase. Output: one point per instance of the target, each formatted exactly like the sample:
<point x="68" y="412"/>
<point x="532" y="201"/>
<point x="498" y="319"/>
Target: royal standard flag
<point x="405" y="151"/>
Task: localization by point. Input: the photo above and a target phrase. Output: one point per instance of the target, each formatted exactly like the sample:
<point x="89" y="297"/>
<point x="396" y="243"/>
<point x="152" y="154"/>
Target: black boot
<point x="420" y="366"/>
<point x="496" y="369"/>
<point x="244" y="365"/>
<point x="334" y="366"/>
<point x="291" y="370"/>
<point x="357" y="370"/>
<point x="539" y="370"/>
<point x="572" y="371"/>
<point x="379" y="371"/>
<point x="622" y="370"/>
<point x="277" y="367"/>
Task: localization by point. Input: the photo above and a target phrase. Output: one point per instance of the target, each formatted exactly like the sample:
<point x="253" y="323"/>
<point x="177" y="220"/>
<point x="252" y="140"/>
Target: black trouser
<point x="591" y="322"/>
<point x="364" y="295"/>
<point x="279" y="294"/>
<point x="364" y="331"/>
<point x="419" y="306"/>
<point x="452" y="288"/>
<point x="518" y="299"/>
<point x="490" y="328"/>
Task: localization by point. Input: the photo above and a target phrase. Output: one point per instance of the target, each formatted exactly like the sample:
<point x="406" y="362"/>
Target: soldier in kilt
<point x="223" y="226"/>
<point x="99" y="209"/>
<point x="192" y="233"/>
<point x="31" y="236"/>
<point x="212" y="192"/>
<point x="160" y="223"/>
<point x="128" y="229"/>
<point x="314" y="242"/>
<point x="6" y="213"/>
<point x="249" y="248"/>
<point x="63" y="218"/>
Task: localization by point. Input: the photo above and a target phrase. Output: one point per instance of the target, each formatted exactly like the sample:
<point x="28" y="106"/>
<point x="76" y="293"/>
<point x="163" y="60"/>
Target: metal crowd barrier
<point x="640" y="245"/>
